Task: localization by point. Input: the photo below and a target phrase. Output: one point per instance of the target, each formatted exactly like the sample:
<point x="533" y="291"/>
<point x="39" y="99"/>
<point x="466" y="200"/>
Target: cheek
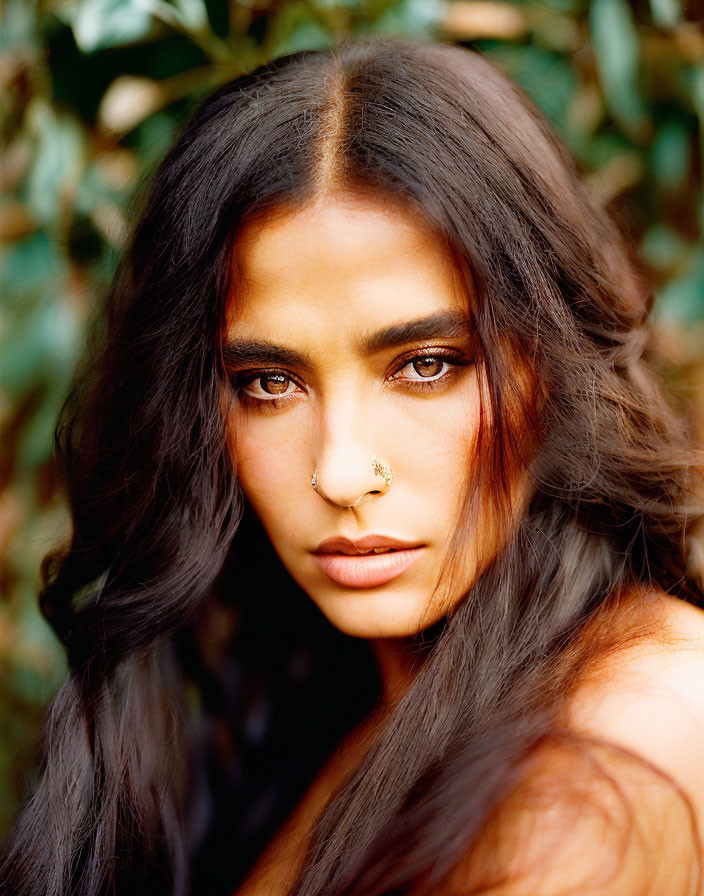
<point x="269" y="465"/>
<point x="442" y="439"/>
<point x="446" y="468"/>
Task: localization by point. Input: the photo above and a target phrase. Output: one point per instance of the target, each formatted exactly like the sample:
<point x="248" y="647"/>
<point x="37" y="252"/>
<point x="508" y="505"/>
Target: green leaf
<point x="58" y="160"/>
<point x="662" y="247"/>
<point x="354" y="6"/>
<point x="570" y="7"/>
<point x="109" y="23"/>
<point x="682" y="299"/>
<point x="306" y="35"/>
<point x="616" y="46"/>
<point x="666" y="13"/>
<point x="192" y="13"/>
<point x="18" y="24"/>
<point x="607" y="145"/>
<point x="697" y="88"/>
<point x="38" y="345"/>
<point x="418" y="18"/>
<point x="153" y="137"/>
<point x="546" y="76"/>
<point x="25" y="268"/>
<point x="671" y="155"/>
<point x="294" y="27"/>
<point x="36" y="442"/>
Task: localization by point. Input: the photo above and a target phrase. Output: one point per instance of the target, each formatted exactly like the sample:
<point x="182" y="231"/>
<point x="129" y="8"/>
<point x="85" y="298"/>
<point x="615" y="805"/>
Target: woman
<point x="369" y="306"/>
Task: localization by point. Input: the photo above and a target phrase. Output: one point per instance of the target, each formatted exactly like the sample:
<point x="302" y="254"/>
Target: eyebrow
<point x="444" y="325"/>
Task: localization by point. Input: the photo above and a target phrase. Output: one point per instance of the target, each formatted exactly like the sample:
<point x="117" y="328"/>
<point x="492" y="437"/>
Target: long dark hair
<point x="204" y="689"/>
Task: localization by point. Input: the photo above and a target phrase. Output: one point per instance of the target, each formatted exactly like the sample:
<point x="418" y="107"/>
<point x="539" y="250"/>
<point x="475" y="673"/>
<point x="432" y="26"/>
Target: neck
<point x="398" y="660"/>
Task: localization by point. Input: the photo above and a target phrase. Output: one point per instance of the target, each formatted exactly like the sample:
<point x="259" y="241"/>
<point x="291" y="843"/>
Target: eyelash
<point x="245" y="377"/>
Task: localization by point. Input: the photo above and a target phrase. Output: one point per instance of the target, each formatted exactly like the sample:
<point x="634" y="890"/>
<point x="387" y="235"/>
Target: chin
<point x="392" y="616"/>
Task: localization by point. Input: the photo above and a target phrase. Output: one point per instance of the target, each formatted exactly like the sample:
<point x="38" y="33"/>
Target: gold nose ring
<point x="314" y="480"/>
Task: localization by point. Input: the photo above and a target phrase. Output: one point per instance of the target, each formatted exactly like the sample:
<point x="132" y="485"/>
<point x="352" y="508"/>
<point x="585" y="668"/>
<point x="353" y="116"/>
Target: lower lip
<point x="367" y="570"/>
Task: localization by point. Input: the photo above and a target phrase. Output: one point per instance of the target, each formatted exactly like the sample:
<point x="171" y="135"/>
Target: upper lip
<point x="342" y="545"/>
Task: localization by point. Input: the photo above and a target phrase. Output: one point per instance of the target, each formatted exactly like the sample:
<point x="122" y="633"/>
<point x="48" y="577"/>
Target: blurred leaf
<point x="662" y="247"/>
<point x="192" y="13"/>
<point x="671" y="156"/>
<point x="682" y="299"/>
<point x="416" y="17"/>
<point x="616" y="47"/>
<point x="293" y="27"/>
<point x="41" y="342"/>
<point x="128" y="101"/>
<point x="698" y="90"/>
<point x="35" y="444"/>
<point x="607" y="145"/>
<point x="29" y="683"/>
<point x="546" y="76"/>
<point x="698" y="100"/>
<point x="496" y="19"/>
<point x="666" y="13"/>
<point x="153" y="137"/>
<point x="557" y="32"/>
<point x="621" y="173"/>
<point x="18" y="24"/>
<point x="109" y="23"/>
<point x="25" y="267"/>
<point x="58" y="160"/>
<point x="571" y="7"/>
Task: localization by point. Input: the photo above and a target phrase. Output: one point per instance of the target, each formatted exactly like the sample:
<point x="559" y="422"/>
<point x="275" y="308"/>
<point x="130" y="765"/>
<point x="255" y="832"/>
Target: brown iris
<point x="428" y="366"/>
<point x="274" y="383"/>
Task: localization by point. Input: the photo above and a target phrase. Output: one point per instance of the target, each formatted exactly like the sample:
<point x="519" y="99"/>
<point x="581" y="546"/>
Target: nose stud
<point x="382" y="469"/>
<point x="378" y="466"/>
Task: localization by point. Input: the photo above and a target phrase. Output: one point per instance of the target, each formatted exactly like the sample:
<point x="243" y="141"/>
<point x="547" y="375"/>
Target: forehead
<point x="346" y="260"/>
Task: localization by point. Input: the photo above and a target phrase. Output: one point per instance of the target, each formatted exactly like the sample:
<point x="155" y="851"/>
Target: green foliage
<point x="617" y="51"/>
<point x="91" y="93"/>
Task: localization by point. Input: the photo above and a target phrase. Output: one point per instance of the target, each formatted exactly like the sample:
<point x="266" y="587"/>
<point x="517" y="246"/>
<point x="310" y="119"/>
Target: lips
<point x="367" y="544"/>
<point x="365" y="562"/>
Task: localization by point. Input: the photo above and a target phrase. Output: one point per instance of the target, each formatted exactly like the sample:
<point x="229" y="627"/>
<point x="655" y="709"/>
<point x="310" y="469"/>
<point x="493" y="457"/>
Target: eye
<point x="267" y="386"/>
<point x="427" y="368"/>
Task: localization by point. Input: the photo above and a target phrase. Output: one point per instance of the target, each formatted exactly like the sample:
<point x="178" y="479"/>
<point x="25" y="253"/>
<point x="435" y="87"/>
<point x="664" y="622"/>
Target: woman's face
<point x="348" y="338"/>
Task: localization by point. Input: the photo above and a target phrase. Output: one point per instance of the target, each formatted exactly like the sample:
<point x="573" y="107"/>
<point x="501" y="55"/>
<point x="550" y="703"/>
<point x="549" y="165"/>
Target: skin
<point x="317" y="280"/>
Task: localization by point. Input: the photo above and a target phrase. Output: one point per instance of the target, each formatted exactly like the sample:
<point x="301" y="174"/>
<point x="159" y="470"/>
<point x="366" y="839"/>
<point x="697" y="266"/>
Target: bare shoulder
<point x="614" y="808"/>
<point x="647" y="699"/>
<point x="649" y="696"/>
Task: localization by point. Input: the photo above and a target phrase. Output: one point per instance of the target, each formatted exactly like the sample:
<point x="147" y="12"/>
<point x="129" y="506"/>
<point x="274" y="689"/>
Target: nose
<point x="348" y="469"/>
<point x="380" y="469"/>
